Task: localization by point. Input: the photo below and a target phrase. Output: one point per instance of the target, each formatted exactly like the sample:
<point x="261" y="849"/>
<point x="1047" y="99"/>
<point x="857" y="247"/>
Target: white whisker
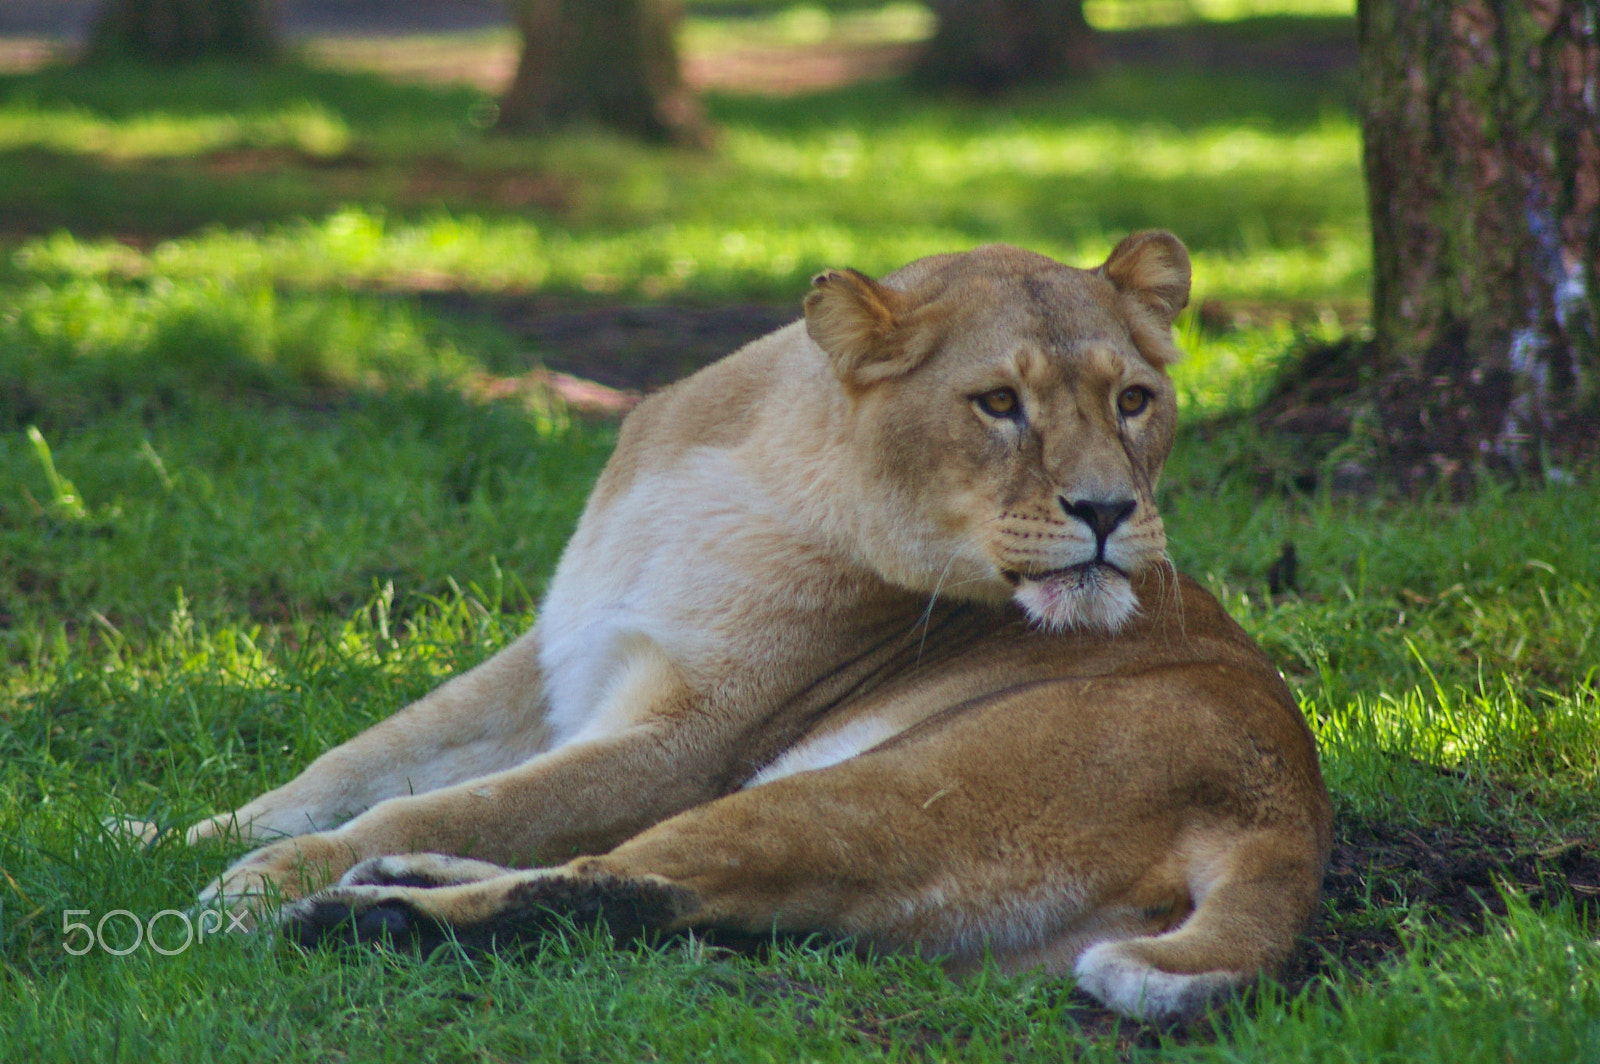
<point x="927" y="613"/>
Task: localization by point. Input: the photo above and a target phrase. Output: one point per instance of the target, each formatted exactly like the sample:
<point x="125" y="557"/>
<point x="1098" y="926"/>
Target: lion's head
<point x="1016" y="414"/>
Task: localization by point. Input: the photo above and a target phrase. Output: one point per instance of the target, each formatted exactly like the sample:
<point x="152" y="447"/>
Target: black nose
<point x="1101" y="517"/>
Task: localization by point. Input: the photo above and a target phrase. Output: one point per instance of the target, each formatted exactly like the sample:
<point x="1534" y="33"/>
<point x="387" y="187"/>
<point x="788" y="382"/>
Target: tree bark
<point x="611" y="62"/>
<point x="986" y="46"/>
<point x="178" y="31"/>
<point x="1481" y="121"/>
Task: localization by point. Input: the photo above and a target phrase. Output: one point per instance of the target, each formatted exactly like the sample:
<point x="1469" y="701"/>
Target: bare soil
<point x="632" y="348"/>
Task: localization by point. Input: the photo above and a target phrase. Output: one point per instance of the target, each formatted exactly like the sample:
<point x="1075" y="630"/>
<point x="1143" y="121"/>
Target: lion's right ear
<point x="861" y="325"/>
<point x="1153" y="268"/>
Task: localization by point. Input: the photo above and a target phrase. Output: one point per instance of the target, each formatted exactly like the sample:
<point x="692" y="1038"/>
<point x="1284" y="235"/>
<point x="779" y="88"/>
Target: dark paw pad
<point x="314" y="923"/>
<point x="394" y="923"/>
<point x="331" y="921"/>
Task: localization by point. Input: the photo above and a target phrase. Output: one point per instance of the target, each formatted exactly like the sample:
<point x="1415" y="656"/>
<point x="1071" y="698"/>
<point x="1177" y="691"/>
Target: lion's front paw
<point x="479" y="914"/>
<point x="361" y="914"/>
<point x="281" y="872"/>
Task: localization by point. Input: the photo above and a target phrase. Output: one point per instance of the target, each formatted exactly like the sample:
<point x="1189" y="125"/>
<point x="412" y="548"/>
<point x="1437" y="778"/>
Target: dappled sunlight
<point x="1128" y="14"/>
<point x="304" y="127"/>
<point x="367" y="250"/>
<point x="937" y="156"/>
<point x="1397" y="748"/>
<point x="206" y="331"/>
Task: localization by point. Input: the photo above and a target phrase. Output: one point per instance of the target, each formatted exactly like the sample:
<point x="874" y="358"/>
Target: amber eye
<point x="1133" y="400"/>
<point x="1002" y="402"/>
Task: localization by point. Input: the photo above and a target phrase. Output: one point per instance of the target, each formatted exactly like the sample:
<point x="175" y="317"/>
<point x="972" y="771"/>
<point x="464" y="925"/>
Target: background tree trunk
<point x="613" y="62"/>
<point x="1480" y="120"/>
<point x="176" y="31"/>
<point x="989" y="45"/>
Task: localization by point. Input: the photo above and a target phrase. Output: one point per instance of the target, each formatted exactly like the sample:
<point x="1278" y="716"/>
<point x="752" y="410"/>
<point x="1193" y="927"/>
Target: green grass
<point x="250" y="502"/>
<point x="1267" y="175"/>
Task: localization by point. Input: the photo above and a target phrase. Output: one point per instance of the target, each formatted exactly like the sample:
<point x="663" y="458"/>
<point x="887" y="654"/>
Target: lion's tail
<point x="1249" y="909"/>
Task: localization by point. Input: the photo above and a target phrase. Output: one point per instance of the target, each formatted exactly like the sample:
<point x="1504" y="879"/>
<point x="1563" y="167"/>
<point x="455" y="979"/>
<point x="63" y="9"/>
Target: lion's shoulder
<point x="721" y="406"/>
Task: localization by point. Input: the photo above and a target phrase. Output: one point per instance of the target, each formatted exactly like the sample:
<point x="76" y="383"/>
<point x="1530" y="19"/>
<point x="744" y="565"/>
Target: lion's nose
<point x="1101" y="517"/>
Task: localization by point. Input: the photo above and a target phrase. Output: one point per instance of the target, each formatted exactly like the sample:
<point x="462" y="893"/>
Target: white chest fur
<point x="678" y="575"/>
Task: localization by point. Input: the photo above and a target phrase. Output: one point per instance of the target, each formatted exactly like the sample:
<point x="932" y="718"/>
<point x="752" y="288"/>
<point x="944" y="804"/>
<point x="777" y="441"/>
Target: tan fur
<point x="847" y="641"/>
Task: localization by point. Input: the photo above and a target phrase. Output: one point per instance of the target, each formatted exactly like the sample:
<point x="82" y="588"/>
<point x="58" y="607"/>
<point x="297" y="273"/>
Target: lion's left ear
<point x="862" y="326"/>
<point x="1153" y="268"/>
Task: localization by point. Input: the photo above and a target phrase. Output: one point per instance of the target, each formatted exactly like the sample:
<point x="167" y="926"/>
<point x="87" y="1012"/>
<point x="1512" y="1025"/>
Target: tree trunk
<point x="177" y="31"/>
<point x="612" y="62"/>
<point x="986" y="46"/>
<point x="1483" y="174"/>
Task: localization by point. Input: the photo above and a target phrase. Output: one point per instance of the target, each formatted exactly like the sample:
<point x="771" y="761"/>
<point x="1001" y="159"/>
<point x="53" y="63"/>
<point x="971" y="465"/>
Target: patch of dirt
<point x="633" y="348"/>
<point x="430" y="180"/>
<point x="20" y="55"/>
<point x="1330" y="48"/>
<point x="535" y="386"/>
<point x="232" y="162"/>
<point x="797" y="69"/>
<point x="421" y="180"/>
<point x="1451" y="878"/>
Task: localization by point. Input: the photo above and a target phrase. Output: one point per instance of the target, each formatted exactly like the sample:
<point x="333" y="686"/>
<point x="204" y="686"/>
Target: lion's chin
<point x="1089" y="596"/>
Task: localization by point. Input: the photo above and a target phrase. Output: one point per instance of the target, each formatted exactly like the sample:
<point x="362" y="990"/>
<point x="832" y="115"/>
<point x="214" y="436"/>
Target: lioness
<point x="867" y="629"/>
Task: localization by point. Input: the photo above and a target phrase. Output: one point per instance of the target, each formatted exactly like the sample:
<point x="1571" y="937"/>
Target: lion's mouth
<point x="1075" y="575"/>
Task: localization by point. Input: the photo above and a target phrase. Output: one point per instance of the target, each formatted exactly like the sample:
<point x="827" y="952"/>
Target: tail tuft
<point x="1115" y="974"/>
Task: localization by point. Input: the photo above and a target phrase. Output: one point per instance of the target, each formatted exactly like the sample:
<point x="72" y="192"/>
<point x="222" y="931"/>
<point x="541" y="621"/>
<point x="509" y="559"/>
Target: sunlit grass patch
<point x="924" y="154"/>
<point x="1423" y="750"/>
<point x="1223" y="372"/>
<point x="264" y="454"/>
<point x="79" y="348"/>
<point x="1129" y="14"/>
<point x="304" y="126"/>
<point x="703" y="259"/>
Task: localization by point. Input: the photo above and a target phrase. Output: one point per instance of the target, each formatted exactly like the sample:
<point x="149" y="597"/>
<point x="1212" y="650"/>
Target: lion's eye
<point x="1133" y="400"/>
<point x="1002" y="402"/>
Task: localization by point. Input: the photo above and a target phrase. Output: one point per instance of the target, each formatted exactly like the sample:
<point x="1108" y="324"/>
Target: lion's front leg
<point x="582" y="798"/>
<point x="507" y="909"/>
<point x="486" y="720"/>
<point x="835" y="851"/>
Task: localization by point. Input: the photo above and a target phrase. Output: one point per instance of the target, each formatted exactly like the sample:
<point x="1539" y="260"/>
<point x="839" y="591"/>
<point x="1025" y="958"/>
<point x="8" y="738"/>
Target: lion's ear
<point x="861" y="325"/>
<point x="1153" y="268"/>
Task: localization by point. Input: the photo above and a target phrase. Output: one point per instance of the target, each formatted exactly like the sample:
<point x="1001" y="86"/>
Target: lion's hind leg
<point x="1250" y="907"/>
